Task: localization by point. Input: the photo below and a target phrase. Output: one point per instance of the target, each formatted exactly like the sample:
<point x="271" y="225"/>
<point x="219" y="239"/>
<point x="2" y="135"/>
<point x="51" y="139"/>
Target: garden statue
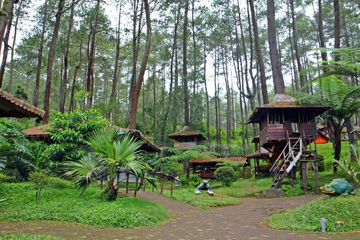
<point x="205" y="185"/>
<point x="177" y="181"/>
<point x="338" y="187"/>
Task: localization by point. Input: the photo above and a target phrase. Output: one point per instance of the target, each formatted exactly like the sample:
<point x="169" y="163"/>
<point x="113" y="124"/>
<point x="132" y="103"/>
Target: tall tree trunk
<point x="194" y="102"/>
<point x="297" y="53"/>
<point x="185" y="73"/>
<point x="91" y="59"/>
<point x="6" y="49"/>
<point x="259" y="54"/>
<point x="6" y="10"/>
<point x="278" y="80"/>
<point x="337" y="27"/>
<point x="51" y="60"/>
<point x="207" y="97"/>
<point x="174" y="49"/>
<point x="18" y="13"/>
<point x="40" y="57"/>
<point x="143" y="65"/>
<point x="321" y="36"/>
<point x="135" y="53"/>
<point x="116" y="65"/>
<point x="64" y="80"/>
<point x="72" y="96"/>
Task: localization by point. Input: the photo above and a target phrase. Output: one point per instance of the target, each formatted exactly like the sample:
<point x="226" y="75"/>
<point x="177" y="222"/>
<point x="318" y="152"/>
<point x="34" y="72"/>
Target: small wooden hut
<point x="11" y="106"/>
<point x="287" y="130"/>
<point x="44" y="133"/>
<point x="205" y="168"/>
<point x="186" y="138"/>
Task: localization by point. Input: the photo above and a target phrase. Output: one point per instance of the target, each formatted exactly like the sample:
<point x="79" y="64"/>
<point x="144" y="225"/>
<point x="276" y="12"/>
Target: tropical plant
<point x="111" y="151"/>
<point x="343" y="99"/>
<point x="226" y="175"/>
<point x="35" y="153"/>
<point x="69" y="132"/>
<point x="40" y="179"/>
<point x="351" y="167"/>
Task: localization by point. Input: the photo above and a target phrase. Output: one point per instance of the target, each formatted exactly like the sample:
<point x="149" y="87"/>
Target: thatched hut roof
<point x="186" y="131"/>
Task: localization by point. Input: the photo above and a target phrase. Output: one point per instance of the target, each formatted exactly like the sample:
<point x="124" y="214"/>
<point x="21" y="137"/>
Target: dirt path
<point x="189" y="223"/>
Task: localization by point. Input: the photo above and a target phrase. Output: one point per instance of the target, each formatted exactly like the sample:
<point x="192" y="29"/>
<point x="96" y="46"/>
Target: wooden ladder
<point x="286" y="161"/>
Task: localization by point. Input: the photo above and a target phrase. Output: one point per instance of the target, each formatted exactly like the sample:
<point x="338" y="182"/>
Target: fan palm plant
<point x="111" y="151"/>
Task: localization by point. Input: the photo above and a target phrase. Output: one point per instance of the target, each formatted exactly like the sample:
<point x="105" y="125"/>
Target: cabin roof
<point x="11" y="106"/>
<point x="284" y="101"/>
<point x="219" y="160"/>
<point x="186" y="131"/>
<point x="258" y="154"/>
<point x="40" y="131"/>
<point x="147" y="144"/>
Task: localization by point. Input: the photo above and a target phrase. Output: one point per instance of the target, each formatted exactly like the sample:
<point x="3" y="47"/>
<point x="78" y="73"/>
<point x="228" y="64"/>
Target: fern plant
<point x="351" y="167"/>
<point x="334" y="92"/>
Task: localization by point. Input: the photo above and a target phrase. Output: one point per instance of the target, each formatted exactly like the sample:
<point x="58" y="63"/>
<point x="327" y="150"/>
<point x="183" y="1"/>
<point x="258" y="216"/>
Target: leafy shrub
<point x="6" y="179"/>
<point x="292" y="190"/>
<point x="69" y="132"/>
<point x="40" y="179"/>
<point x="194" y="179"/>
<point x="226" y="175"/>
<point x="172" y="168"/>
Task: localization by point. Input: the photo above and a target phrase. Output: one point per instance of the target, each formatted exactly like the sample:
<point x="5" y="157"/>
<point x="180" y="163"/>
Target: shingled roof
<point x="40" y="131"/>
<point x="186" y="131"/>
<point x="284" y="101"/>
<point x="11" y="106"/>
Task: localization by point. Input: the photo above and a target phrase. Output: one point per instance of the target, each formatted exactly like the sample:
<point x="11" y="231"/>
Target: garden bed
<point x="341" y="213"/>
<point x="59" y="201"/>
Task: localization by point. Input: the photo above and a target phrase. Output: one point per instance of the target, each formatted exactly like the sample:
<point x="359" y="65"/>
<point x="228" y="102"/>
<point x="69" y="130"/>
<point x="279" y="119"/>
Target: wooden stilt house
<point x="287" y="130"/>
<point x="186" y="138"/>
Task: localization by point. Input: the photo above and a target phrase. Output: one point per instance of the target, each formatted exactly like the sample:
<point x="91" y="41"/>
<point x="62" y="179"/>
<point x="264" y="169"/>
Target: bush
<point x="69" y="132"/>
<point x="292" y="190"/>
<point x="194" y="179"/>
<point x="226" y="175"/>
<point x="172" y="168"/>
<point x="40" y="179"/>
<point x="6" y="179"/>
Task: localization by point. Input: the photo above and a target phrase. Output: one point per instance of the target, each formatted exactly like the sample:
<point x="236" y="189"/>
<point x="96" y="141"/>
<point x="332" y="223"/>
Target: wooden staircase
<point x="287" y="160"/>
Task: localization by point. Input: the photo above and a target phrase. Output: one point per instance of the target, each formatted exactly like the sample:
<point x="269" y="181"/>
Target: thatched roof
<point x="11" y="106"/>
<point x="147" y="144"/>
<point x="186" y="131"/>
<point x="284" y="101"/>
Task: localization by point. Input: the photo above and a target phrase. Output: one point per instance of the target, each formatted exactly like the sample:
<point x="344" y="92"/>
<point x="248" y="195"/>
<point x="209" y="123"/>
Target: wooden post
<point x="127" y="183"/>
<point x="171" y="188"/>
<point x="118" y="180"/>
<point x="101" y="184"/>
<point x="304" y="176"/>
<point x="144" y="187"/>
<point x="136" y="185"/>
<point x="317" y="184"/>
<point x="162" y="184"/>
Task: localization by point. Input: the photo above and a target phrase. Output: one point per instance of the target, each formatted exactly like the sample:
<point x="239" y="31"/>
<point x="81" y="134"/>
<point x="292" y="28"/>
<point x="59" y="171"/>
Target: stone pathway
<point x="242" y="222"/>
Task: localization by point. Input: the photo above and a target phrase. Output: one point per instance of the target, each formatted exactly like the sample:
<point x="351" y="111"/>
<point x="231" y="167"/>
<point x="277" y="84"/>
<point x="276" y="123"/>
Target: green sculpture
<point x="338" y="187"/>
<point x="205" y="185"/>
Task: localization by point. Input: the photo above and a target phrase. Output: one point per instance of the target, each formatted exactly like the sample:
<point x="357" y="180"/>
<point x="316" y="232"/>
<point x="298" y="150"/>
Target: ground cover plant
<point x="341" y="213"/>
<point x="203" y="201"/>
<point x="59" y="201"/>
<point x="28" y="237"/>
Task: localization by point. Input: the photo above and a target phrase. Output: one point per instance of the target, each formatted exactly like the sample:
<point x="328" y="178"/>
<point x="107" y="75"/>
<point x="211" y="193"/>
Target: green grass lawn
<point x="28" y="237"/>
<point x="342" y="214"/>
<point x="59" y="201"/>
